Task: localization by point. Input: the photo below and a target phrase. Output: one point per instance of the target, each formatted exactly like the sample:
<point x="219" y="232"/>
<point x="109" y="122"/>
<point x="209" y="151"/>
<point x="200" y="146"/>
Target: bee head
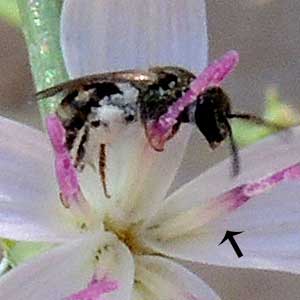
<point x="210" y="115"/>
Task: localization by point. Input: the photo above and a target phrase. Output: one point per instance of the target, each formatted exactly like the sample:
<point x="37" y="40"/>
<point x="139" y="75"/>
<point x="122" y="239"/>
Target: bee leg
<point x="102" y="169"/>
<point x="257" y="120"/>
<point x="234" y="152"/>
<point x="80" y="153"/>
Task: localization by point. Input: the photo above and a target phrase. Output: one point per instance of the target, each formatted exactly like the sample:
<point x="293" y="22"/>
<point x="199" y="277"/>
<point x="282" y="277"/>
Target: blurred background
<point x="267" y="35"/>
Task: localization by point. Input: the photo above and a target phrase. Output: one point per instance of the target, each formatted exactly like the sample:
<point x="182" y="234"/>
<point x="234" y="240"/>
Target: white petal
<point x="29" y="205"/>
<point x="270" y="238"/>
<point x="271" y="224"/>
<point x="161" y="279"/>
<point x="68" y="269"/>
<point x="197" y="202"/>
<point x="139" y="176"/>
<point x="110" y="35"/>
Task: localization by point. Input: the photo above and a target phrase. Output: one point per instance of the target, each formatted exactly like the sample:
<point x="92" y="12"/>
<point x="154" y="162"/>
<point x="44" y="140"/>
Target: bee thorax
<point x="107" y="115"/>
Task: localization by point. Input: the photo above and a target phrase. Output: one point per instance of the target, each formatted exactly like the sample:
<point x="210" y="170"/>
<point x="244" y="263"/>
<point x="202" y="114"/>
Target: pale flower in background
<point x="276" y="111"/>
<point x="123" y="247"/>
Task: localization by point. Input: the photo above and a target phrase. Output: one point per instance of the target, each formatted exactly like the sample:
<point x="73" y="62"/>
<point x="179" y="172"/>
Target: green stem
<point x="41" y="27"/>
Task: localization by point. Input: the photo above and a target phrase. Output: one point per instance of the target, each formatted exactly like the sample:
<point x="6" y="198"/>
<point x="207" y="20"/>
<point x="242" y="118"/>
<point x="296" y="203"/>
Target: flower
<point x="123" y="247"/>
<point x="189" y="225"/>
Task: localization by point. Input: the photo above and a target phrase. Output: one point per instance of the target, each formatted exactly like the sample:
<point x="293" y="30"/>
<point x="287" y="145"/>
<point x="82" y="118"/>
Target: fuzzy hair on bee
<point x="95" y="108"/>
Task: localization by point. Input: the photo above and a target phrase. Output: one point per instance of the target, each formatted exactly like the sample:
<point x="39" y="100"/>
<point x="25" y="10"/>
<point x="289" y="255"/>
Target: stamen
<point x="159" y="132"/>
<point x="102" y="169"/>
<point x="78" y="164"/>
<point x="95" y="290"/>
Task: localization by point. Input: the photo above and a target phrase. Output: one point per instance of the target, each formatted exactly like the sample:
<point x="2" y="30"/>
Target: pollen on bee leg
<point x="96" y="288"/>
<point x="66" y="173"/>
<point x="213" y="75"/>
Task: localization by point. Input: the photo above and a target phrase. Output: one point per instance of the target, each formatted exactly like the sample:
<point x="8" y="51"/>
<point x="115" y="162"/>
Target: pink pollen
<point x="159" y="132"/>
<point x="95" y="290"/>
<point x="65" y="171"/>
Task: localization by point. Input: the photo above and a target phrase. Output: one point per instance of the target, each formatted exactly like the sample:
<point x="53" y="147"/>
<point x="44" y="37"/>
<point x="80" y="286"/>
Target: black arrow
<point x="229" y="235"/>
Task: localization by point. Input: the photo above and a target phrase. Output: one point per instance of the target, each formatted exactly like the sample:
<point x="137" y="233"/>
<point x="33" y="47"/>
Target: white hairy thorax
<point x="111" y="116"/>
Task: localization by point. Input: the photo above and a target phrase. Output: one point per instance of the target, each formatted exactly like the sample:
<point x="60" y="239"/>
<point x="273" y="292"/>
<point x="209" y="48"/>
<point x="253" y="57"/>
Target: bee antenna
<point x="234" y="152"/>
<point x="255" y="119"/>
<point x="251" y="118"/>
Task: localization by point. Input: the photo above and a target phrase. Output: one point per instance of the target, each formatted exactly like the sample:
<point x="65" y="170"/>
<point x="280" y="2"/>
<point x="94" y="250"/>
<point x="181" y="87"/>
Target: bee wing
<point x="132" y="76"/>
<point x="108" y="35"/>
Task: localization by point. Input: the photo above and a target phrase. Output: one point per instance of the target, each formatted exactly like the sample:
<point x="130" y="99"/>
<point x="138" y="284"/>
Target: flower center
<point x="129" y="235"/>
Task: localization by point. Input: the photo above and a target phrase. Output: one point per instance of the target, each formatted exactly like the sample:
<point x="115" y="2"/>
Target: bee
<point x="95" y="108"/>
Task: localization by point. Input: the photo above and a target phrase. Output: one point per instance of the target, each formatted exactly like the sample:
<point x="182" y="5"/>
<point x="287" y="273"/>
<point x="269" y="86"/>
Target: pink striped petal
<point x="267" y="157"/>
<point x="270" y="239"/>
<point x="66" y="173"/>
<point x="191" y="226"/>
<point x="95" y="290"/>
